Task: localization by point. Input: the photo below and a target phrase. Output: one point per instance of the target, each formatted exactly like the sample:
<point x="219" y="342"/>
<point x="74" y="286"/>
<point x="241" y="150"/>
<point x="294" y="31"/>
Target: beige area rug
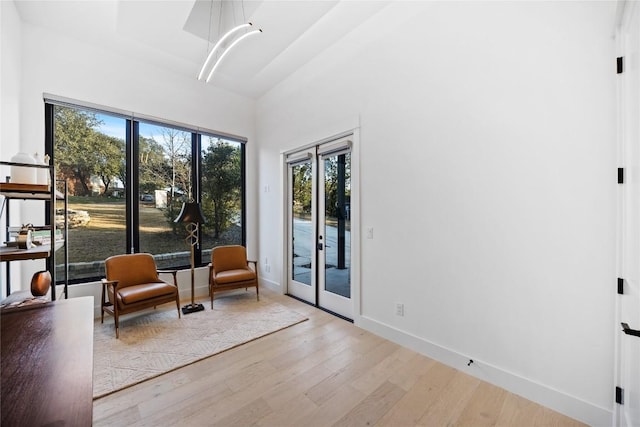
<point x="159" y="342"/>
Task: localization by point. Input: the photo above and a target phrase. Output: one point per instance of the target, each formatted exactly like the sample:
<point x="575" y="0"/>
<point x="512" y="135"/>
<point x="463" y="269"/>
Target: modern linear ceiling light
<point x="234" y="32"/>
<point x="223" y="54"/>
<point x="218" y="44"/>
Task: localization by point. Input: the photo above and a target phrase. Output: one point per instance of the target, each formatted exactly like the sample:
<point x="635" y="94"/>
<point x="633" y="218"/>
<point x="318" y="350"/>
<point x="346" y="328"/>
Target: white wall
<point x="10" y="71"/>
<point x="488" y="173"/>
<point x="68" y="67"/>
<point x="10" y="78"/>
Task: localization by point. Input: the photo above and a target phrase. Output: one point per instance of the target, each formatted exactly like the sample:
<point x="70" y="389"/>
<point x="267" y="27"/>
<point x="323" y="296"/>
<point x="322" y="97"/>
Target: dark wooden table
<point x="46" y="363"/>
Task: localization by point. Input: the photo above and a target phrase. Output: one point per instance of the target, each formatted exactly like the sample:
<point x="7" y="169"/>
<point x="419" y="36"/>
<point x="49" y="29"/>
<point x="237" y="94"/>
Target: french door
<point x="319" y="213"/>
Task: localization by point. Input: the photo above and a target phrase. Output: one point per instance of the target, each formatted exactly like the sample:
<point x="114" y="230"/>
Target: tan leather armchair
<point x="229" y="269"/>
<point x="132" y="284"/>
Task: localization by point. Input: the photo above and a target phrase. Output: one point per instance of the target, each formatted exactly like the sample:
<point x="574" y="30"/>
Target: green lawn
<point x="105" y="234"/>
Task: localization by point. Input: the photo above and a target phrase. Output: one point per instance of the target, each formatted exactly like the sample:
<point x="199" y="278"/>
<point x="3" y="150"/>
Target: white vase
<point x="23" y="174"/>
<point x="41" y="173"/>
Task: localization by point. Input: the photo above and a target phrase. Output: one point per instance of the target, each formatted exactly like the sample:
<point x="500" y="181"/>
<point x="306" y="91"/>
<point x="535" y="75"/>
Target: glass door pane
<point x="302" y="245"/>
<point x="334" y="225"/>
<point x="301" y="218"/>
<point x="337" y="225"/>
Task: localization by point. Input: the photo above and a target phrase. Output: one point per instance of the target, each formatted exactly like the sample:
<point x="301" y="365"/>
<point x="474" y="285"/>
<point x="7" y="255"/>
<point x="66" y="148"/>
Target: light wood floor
<point x="322" y="372"/>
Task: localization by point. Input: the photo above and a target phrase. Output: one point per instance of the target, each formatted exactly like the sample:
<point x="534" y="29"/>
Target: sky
<point x="116" y="127"/>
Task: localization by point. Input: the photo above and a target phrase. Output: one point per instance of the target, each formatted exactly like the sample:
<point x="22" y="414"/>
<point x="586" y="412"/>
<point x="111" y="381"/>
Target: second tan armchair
<point x="229" y="269"/>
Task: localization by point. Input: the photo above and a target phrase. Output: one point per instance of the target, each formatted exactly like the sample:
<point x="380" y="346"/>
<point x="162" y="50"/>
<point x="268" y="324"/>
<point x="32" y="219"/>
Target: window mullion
<point x="196" y="165"/>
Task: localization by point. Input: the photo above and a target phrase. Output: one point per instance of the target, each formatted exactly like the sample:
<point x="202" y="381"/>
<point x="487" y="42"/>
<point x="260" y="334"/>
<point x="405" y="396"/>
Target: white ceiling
<point x="173" y="34"/>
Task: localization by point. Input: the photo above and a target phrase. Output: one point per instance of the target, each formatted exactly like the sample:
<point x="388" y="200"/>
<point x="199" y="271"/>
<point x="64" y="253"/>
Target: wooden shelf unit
<point x="21" y="191"/>
<point x="28" y="191"/>
<point x="35" y="252"/>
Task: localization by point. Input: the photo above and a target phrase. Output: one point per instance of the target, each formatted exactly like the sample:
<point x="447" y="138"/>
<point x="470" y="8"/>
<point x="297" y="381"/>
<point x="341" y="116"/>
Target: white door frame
<point x="627" y="309"/>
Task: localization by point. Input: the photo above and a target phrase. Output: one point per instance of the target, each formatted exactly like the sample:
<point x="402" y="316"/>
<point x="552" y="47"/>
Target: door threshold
<point x="321" y="308"/>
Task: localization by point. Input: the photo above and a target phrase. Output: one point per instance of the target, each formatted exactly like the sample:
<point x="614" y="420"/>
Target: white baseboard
<point x="558" y="401"/>
<point x="274" y="286"/>
<point x="201" y="290"/>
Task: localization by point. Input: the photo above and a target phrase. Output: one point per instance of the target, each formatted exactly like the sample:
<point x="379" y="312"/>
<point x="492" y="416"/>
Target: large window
<point x="127" y="180"/>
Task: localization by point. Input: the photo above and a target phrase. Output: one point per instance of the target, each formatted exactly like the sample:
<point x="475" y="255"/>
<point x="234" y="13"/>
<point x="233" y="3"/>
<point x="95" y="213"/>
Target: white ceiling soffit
<point x="205" y="16"/>
<point x="173" y="34"/>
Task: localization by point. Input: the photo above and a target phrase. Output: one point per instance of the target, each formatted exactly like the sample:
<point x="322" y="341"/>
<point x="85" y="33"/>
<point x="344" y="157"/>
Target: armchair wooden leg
<point x="103" y="303"/>
<point x="116" y="319"/>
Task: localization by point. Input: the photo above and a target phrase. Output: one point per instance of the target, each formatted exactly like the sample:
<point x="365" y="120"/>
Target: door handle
<point x="627" y="330"/>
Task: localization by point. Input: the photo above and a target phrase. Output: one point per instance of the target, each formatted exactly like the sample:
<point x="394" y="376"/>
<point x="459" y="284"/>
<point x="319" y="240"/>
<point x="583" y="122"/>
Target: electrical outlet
<point x="369" y="232"/>
<point x="399" y="309"/>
